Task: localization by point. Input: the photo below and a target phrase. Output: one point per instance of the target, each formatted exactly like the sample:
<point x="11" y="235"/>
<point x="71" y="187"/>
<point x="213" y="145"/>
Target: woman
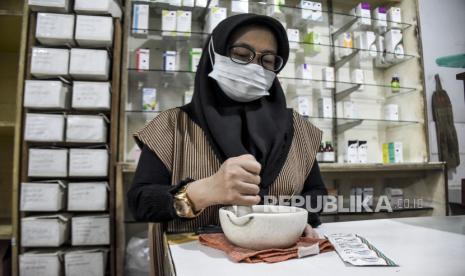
<point x="235" y="143"/>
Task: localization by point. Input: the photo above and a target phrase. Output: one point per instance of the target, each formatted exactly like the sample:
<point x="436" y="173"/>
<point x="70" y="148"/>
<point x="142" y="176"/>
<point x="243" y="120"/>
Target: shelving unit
<point x="416" y="175"/>
<point x="10" y="28"/>
<point x="22" y="147"/>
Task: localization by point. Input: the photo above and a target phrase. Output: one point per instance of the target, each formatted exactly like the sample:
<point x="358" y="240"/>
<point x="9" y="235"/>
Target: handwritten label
<point x="85" y="263"/>
<point x="41" y="197"/>
<point x="48" y="162"/>
<point x="90" y="230"/>
<point x="91" y="95"/>
<point x="42" y="232"/>
<point x="87" y="196"/>
<point x="88" y="162"/>
<point x="44" y="127"/>
<point x="39" y="264"/>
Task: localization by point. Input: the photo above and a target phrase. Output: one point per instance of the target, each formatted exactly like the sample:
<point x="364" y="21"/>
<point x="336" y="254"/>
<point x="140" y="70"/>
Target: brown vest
<point x="185" y="151"/>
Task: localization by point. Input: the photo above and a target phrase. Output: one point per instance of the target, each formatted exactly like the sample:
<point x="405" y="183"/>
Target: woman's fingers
<point x="247" y="188"/>
<point x="246" y="200"/>
<point x="248" y="177"/>
<point x="248" y="163"/>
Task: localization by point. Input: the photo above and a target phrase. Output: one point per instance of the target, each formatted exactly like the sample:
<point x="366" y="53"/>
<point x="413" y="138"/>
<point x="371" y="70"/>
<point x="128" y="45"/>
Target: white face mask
<point x="242" y="83"/>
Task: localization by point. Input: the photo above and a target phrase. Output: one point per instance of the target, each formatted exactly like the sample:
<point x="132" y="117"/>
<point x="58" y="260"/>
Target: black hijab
<point x="262" y="127"/>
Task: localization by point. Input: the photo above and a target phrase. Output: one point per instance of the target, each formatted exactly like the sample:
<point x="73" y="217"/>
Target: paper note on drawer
<point x="49" y="62"/>
<point x="110" y="7"/>
<point x="49" y="5"/>
<point x="90" y="230"/>
<point x="88" y="162"/>
<point x="42" y="196"/>
<point x="45" y="94"/>
<point x="55" y="29"/>
<point x="92" y="261"/>
<point x="44" y="127"/>
<point x="87" y="196"/>
<point x="91" y="95"/>
<point x="48" y="163"/>
<point x="44" y="231"/>
<point x="94" y="31"/>
<point x="40" y="264"/>
<point x="86" y="129"/>
<point x="89" y="64"/>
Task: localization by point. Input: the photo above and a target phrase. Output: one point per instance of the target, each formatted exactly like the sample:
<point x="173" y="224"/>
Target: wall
<point x="442" y="25"/>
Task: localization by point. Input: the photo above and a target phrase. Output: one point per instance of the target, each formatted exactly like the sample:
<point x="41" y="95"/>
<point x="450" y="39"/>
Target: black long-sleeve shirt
<point x="150" y="197"/>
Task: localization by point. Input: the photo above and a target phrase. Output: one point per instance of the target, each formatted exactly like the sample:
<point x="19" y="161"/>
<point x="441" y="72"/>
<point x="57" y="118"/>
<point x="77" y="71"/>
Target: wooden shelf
<point x="378" y="167"/>
<point x="10" y="13"/>
<point x="5" y="232"/>
<point x="347" y="168"/>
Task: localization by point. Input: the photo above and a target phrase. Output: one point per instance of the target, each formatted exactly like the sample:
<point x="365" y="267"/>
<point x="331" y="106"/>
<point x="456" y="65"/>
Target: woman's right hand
<point x="235" y="183"/>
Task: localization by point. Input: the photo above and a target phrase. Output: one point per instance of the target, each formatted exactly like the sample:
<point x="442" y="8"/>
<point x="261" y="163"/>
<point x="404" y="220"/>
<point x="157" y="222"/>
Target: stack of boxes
<point x="67" y="102"/>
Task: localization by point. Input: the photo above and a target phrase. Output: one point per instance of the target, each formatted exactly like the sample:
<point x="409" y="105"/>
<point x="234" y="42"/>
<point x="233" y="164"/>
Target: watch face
<point x="180" y="207"/>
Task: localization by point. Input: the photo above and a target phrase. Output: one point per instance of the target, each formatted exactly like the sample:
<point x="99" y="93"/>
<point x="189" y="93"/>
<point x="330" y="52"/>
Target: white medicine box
<point x="49" y="5"/>
<point x="44" y="127"/>
<point x="394" y="17"/>
<point x="183" y="22"/>
<point x="239" y="6"/>
<point x="325" y="107"/>
<point x="88" y="162"/>
<point x="168" y="22"/>
<point x="90" y="230"/>
<point x="328" y="77"/>
<point x="303" y="105"/>
<point x="55" y="29"/>
<point x="91" y="95"/>
<point x="49" y="62"/>
<point x="317" y="13"/>
<point x="140" y="19"/>
<point x="391" y="112"/>
<point x="41" y="94"/>
<point x="103" y="7"/>
<point x="380" y="17"/>
<point x="87" y="196"/>
<point x="94" y="31"/>
<point x="48" y="162"/>
<point x="86" y="129"/>
<point x="44" y="231"/>
<point x="92" y="261"/>
<point x="214" y="17"/>
<point x="89" y="64"/>
<point x="40" y="264"/>
<point x="42" y="196"/>
<point x="363" y="12"/>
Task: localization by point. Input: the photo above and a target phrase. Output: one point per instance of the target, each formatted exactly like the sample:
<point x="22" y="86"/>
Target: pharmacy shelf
<point x="155" y="9"/>
<point x="157" y="39"/>
<point x="351" y="23"/>
<point x="348" y="168"/>
<point x="379" y="167"/>
<point x="344" y="124"/>
<point x="185" y="79"/>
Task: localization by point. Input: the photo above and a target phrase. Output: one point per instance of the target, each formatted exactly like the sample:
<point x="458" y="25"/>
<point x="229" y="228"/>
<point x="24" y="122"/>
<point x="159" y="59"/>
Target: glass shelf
<point x="344" y="124"/>
<point x="184" y="80"/>
<point x="158" y="43"/>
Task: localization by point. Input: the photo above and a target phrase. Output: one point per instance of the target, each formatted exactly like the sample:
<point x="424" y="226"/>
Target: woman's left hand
<point x="309" y="232"/>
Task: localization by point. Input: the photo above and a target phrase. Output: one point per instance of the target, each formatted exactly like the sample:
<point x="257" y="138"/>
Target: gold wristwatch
<point x="183" y="205"/>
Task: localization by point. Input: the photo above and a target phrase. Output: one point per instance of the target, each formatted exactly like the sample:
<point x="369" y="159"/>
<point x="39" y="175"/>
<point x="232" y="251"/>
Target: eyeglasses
<point x="245" y="55"/>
